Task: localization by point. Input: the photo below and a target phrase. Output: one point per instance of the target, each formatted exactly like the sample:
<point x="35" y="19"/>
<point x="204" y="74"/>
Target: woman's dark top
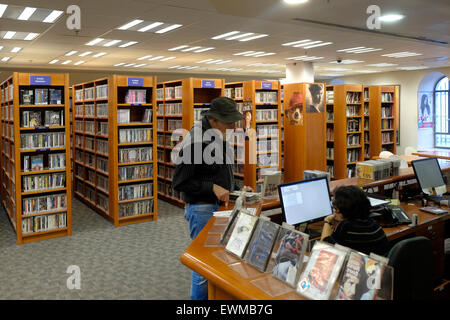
<point x="365" y="236"/>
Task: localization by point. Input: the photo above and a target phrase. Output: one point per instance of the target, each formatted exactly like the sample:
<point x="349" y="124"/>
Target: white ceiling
<point x="342" y="22"/>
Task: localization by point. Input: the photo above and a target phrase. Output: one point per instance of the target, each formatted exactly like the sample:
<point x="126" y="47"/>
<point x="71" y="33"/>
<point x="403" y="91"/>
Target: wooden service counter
<point x="232" y="278"/>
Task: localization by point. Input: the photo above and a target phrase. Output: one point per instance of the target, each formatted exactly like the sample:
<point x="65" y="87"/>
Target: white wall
<point x="409" y="82"/>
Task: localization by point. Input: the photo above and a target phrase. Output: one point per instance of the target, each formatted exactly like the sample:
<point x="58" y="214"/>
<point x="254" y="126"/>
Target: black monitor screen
<point x="428" y="173"/>
<point x="305" y="201"/>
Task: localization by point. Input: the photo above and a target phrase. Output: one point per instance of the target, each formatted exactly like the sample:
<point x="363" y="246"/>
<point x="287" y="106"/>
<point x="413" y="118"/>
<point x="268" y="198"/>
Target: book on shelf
<point x="135" y="154"/>
<point x="123" y="116"/>
<point x="135" y="135"/>
<point x="40" y="96"/>
<point x="89" y="93"/>
<point x="31" y="119"/>
<point x="135" y="96"/>
<point x="55" y="96"/>
<point x="241" y="234"/>
<point x="135" y="172"/>
<point x="102" y="91"/>
<point x="26" y="96"/>
<point x="290" y="248"/>
<point x="321" y="272"/>
<point x="53" y="202"/>
<point x="135" y="208"/>
<point x="353" y="97"/>
<point x="147" y="118"/>
<point x="54" y="118"/>
<point x="44" y="223"/>
<point x="37" y="162"/>
<point x="135" y="191"/>
<point x="261" y="244"/>
<point x="387" y="97"/>
<point x="42" y="140"/>
<point x="361" y="278"/>
<point x="266" y="97"/>
<point x="43" y="182"/>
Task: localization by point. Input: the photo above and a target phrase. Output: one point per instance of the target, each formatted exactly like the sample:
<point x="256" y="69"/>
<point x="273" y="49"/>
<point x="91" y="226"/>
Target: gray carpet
<point x="139" y="261"/>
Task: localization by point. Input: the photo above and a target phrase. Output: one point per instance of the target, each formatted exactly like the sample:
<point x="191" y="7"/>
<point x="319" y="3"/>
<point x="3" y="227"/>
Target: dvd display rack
<point x="383" y="107"/>
<point x="345" y="129"/>
<point x="260" y="103"/>
<point x="179" y="105"/>
<point x="366" y="113"/>
<point x="114" y="150"/>
<point x="35" y="168"/>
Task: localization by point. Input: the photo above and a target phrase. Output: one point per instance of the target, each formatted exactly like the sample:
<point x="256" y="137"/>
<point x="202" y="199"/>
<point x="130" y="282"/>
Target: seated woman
<point x="351" y="225"/>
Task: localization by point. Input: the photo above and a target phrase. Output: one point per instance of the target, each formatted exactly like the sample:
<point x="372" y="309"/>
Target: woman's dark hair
<point x="352" y="202"/>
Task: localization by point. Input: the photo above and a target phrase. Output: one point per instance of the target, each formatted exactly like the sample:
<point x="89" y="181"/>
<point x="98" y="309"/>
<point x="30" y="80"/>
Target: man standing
<point x="204" y="174"/>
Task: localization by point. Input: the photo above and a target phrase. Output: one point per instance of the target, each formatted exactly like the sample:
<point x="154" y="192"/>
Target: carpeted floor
<point x="139" y="261"/>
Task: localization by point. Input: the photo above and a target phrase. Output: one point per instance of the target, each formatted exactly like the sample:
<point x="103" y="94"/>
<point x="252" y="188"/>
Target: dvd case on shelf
<point x="241" y="234"/>
<point x="290" y="247"/>
<point x="321" y="272"/>
<point x="44" y="223"/>
<point x="53" y="202"/>
<point x="261" y="244"/>
<point x="135" y="208"/>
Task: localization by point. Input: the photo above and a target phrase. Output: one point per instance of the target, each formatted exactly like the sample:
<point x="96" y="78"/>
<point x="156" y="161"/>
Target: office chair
<point x="410" y="150"/>
<point x="385" y="154"/>
<point x="413" y="263"/>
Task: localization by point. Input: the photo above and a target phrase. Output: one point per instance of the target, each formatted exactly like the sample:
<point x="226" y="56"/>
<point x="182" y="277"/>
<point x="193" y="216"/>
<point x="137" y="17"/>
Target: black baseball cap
<point x="224" y="109"/>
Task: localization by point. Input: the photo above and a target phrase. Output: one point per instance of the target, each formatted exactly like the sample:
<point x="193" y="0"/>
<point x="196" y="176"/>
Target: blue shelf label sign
<point x="208" y="84"/>
<point x="266" y="85"/>
<point x="135" y="82"/>
<point x="40" y="80"/>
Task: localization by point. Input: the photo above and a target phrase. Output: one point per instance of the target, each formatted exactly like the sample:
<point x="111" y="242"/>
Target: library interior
<point x="343" y="133"/>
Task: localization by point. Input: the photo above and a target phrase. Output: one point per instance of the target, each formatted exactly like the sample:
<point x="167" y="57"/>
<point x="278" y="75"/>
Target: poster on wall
<point x="295" y="109"/>
<point x="425" y="110"/>
<point x="315" y="98"/>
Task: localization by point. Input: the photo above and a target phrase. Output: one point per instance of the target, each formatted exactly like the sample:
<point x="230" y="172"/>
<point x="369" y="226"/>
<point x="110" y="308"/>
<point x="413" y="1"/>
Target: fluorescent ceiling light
<point x="295" y="1"/>
<point x="305" y="44"/>
<point x="67" y="62"/>
<point x="190" y="68"/>
<point x="169" y="28"/>
<point x="16" y="49"/>
<point x="366" y="50"/>
<point x="190" y="49"/>
<point x="53" y="16"/>
<point x="9" y="35"/>
<point x="206" y="60"/>
<point x="295" y="42"/>
<point x="254" y="37"/>
<point x="144" y="57"/>
<point x="177" y="48"/>
<point x="78" y="63"/>
<point x="70" y="53"/>
<point x="94" y="42"/>
<point x="347" y="61"/>
<point x="2" y="9"/>
<point x="84" y="54"/>
<point x="412" y="68"/>
<point x="129" y="64"/>
<point x="156" y="58"/>
<point x="4" y="59"/>
<point x="338" y="69"/>
<point x="1" y="48"/>
<point x="305" y="58"/>
<point x="253" y="53"/>
<point x="381" y="65"/>
<point x="401" y="54"/>
<point x="150" y="26"/>
<point x="318" y="45"/>
<point x="391" y="17"/>
<point x="359" y="50"/>
<point x="224" y="61"/>
<point x="99" y="54"/>
<point x="26" y="13"/>
<point x="140" y="65"/>
<point x="350" y="49"/>
<point x="31" y="36"/>
<point x="53" y="61"/>
<point x="130" y="24"/>
<point x="264" y="54"/>
<point x="119" y="64"/>
<point x="366" y="71"/>
<point x="203" y="50"/>
<point x="243" y="53"/>
<point x="225" y="35"/>
<point x="130" y="43"/>
<point x="240" y="36"/>
<point x="173" y="67"/>
<point x="168" y="58"/>
<point x="111" y="43"/>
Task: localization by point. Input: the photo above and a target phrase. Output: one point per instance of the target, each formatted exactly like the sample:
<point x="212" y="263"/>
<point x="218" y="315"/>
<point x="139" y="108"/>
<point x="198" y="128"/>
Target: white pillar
<point x="299" y="72"/>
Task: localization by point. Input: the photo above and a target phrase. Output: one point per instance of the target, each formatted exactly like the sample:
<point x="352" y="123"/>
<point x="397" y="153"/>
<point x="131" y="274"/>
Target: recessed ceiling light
<point x="16" y="49"/>
<point x="53" y="16"/>
<point x="130" y="24"/>
<point x="169" y="28"/>
<point x="150" y="26"/>
<point x="26" y="13"/>
<point x="295" y="1"/>
<point x="9" y="35"/>
<point x="2" y="9"/>
<point x="31" y="36"/>
<point x="67" y="62"/>
<point x="78" y="63"/>
<point x="4" y="59"/>
<point x="53" y="61"/>
<point x="391" y="17"/>
<point x="84" y="54"/>
<point x="220" y="36"/>
<point x="94" y="42"/>
<point x="99" y="54"/>
<point x="111" y="43"/>
<point x="130" y="43"/>
<point x="70" y="53"/>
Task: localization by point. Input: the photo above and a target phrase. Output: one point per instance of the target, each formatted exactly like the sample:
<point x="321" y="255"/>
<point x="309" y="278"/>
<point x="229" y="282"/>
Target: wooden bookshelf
<point x="262" y="151"/>
<point x="329" y="110"/>
<point x="366" y="113"/>
<point x="35" y="163"/>
<point x="305" y="140"/>
<point x="383" y="105"/>
<point x="348" y="126"/>
<point x="114" y="151"/>
<point x="179" y="104"/>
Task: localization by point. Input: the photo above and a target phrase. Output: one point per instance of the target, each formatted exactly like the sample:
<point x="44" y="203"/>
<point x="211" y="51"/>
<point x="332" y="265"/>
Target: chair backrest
<point x="385" y="154"/>
<point x="410" y="150"/>
<point x="413" y="263"/>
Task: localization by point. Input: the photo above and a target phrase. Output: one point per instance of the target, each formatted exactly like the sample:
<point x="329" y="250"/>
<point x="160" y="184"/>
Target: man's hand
<point x="222" y="194"/>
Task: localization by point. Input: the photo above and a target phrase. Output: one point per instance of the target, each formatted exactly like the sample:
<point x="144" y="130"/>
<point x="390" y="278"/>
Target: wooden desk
<point x="441" y="154"/>
<point x="231" y="278"/>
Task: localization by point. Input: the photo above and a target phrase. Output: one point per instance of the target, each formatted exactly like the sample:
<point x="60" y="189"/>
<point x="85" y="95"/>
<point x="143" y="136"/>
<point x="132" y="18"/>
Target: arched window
<point x="442" y="114"/>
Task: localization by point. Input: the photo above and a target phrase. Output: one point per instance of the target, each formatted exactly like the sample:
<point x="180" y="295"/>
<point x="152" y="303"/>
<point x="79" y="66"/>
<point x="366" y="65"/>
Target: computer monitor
<point x="429" y="176"/>
<point x="305" y="201"/>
